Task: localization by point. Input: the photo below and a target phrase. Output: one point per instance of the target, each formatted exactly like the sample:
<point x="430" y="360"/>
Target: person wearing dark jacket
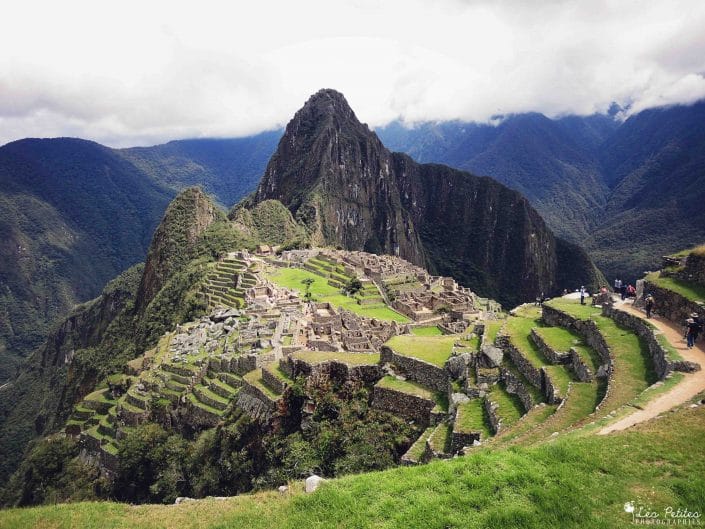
<point x="692" y="332"/>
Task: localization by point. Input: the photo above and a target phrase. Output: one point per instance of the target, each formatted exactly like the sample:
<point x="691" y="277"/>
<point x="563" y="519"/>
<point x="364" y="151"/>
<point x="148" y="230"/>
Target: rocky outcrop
<point x="335" y="175"/>
<point x="186" y="218"/>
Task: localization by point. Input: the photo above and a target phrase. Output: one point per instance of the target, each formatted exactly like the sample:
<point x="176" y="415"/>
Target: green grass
<point x="323" y="292"/>
<point x="510" y="408"/>
<point x="569" y="483"/>
<point x="472" y="417"/>
<point x="688" y="290"/>
<point x="440" y="438"/>
<point x="633" y="368"/>
<point x="432" y="349"/>
<point x="426" y="331"/>
<point x="406" y="386"/>
<point x="255" y="378"/>
<point x="317" y="357"/>
<point x="562" y="340"/>
<point x="416" y="450"/>
<point x="491" y="330"/>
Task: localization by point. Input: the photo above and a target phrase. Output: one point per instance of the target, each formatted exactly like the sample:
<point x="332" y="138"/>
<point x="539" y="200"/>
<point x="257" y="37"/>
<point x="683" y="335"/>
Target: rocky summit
<point x="337" y="178"/>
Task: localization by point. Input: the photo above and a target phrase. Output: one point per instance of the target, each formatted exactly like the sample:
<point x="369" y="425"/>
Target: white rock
<point x="182" y="499"/>
<point x="313" y="482"/>
<point x="282" y="489"/>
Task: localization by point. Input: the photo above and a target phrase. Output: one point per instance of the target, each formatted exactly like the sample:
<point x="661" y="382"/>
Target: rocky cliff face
<point x="335" y="175"/>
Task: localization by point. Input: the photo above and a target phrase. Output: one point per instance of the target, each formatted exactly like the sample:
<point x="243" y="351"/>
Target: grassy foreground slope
<point x="569" y="482"/>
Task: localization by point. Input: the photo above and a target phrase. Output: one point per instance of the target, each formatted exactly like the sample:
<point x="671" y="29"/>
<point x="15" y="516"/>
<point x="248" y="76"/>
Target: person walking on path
<point x="649" y="305"/>
<point x="692" y="333"/>
<point x="582" y="295"/>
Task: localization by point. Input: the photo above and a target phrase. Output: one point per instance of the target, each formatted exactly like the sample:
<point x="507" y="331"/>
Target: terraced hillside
<point x="297" y="374"/>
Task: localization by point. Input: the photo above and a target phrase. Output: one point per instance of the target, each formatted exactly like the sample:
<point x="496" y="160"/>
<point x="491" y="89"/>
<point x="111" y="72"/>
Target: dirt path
<point x="691" y="385"/>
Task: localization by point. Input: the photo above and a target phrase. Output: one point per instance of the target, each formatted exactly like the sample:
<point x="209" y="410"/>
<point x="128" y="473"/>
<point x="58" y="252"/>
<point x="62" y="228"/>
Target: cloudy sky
<point x="143" y="72"/>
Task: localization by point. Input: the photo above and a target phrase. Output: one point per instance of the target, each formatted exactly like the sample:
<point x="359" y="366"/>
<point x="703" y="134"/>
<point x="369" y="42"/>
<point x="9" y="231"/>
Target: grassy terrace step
<point x="580" y="402"/>
<point x="440" y="438"/>
<point x="519" y="330"/>
<point x="205" y="407"/>
<point x="633" y="368"/>
<point x="416" y="451"/>
<point x="223" y="389"/>
<point x="687" y="289"/>
<point x="491" y="330"/>
<point x="509" y="406"/>
<point x="432" y="349"/>
<point x="432" y="330"/>
<point x="562" y="340"/>
<point x="129" y="407"/>
<point x="412" y="388"/>
<point x="472" y="417"/>
<point x="255" y="378"/>
<point x="209" y="397"/>
<point x="352" y="359"/>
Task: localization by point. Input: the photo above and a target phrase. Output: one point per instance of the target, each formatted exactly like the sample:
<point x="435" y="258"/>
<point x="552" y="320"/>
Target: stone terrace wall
<point x="694" y="269"/>
<point x="585" y="328"/>
<point x="408" y="406"/>
<point x="460" y="440"/>
<point x="549" y="389"/>
<point x="532" y="374"/>
<point x="660" y="356"/>
<point x="672" y="305"/>
<point x="582" y="372"/>
<point x="255" y="403"/>
<point x="333" y="369"/>
<point x="419" y="371"/>
<point x="516" y="387"/>
<point x="555" y="357"/>
<point x="495" y="420"/>
<point x="592" y="336"/>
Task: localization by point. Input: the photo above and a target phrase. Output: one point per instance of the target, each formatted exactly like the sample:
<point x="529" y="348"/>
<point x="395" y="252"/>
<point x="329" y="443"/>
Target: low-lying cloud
<point x="138" y="73"/>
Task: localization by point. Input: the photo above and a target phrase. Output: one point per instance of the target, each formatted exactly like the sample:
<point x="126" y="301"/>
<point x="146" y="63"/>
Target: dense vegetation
<point x="573" y="481"/>
<point x="157" y="464"/>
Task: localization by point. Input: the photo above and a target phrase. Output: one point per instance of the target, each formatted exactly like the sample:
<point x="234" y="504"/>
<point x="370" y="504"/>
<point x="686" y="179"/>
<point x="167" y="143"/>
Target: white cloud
<point x="143" y="72"/>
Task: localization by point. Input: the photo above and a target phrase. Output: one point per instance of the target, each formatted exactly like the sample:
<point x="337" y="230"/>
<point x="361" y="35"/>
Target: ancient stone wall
<point x="532" y="374"/>
<point x="660" y="356"/>
<point x="672" y="305"/>
<point x="515" y="386"/>
<point x="585" y="328"/>
<point x="495" y="420"/>
<point x="694" y="269"/>
<point x="582" y="371"/>
<point x="553" y="356"/>
<point x="255" y="403"/>
<point x="417" y="370"/>
<point x="408" y="406"/>
<point x="549" y="389"/>
<point x="459" y="440"/>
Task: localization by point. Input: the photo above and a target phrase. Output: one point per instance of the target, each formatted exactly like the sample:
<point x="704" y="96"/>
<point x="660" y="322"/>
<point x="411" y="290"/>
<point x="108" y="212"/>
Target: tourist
<point x="692" y="332"/>
<point x="631" y="291"/>
<point x="582" y="295"/>
<point x="623" y="290"/>
<point x="649" y="305"/>
<point x="617" y="286"/>
<point x="699" y="322"/>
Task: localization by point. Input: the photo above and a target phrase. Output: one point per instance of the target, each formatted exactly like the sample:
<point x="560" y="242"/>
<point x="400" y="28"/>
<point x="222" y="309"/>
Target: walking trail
<point x="691" y="385"/>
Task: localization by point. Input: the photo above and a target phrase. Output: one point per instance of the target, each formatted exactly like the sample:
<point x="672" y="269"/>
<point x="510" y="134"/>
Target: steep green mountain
<point x="335" y="175"/>
<point x="228" y="169"/>
<point x="73" y="214"/>
<point x="100" y="336"/>
<point x="627" y="192"/>
<point x="655" y="165"/>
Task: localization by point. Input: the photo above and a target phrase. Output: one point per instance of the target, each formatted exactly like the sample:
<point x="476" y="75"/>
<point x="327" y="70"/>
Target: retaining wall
<point x="417" y="370"/>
